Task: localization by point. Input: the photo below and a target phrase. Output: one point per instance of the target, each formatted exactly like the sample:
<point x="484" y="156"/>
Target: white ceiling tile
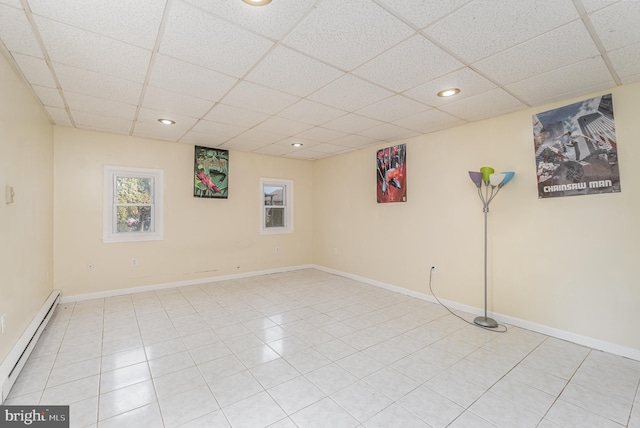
<point x="618" y="25"/>
<point x="423" y="12"/>
<point x="307" y="111"/>
<point x="101" y="123"/>
<point x="468" y="81"/>
<point x="593" y="5"/>
<point x="554" y="84"/>
<point x="255" y="138"/>
<point x="351" y="123"/>
<point x="280" y="125"/>
<point x="393" y="108"/>
<point x="287" y="142"/>
<point x="207" y="140"/>
<point x="35" y="70"/>
<point x="350" y="93"/>
<point x="484" y="28"/>
<point x="99" y="106"/>
<point x="157" y="130"/>
<point x="292" y="72"/>
<point x="102" y="86"/>
<point x="16" y="33"/>
<point x="347" y="33"/>
<point x="273" y="21"/>
<point x="83" y="49"/>
<point x="484" y="105"/>
<point x="408" y="64"/>
<point x="255" y="97"/>
<point x="58" y="115"/>
<point x="223" y="113"/>
<point x="626" y="61"/>
<point x="388" y="132"/>
<point x="182" y="122"/>
<point x="355" y="141"/>
<point x="275" y="150"/>
<point x="578" y="92"/>
<point x="202" y="39"/>
<point x="429" y="121"/>
<point x="307" y="155"/>
<point x="563" y="46"/>
<point x="48" y="96"/>
<point x="329" y="148"/>
<point x="302" y="48"/>
<point x="243" y="145"/>
<point x="320" y="134"/>
<point x="172" y="102"/>
<point x="223" y="130"/>
<point x="188" y="79"/>
<point x="13" y="3"/>
<point x="633" y="78"/>
<point x="133" y="22"/>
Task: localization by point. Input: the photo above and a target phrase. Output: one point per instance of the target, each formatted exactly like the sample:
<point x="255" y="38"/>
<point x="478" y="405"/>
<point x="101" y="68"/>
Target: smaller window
<point x="276" y="203"/>
<point x="132" y="204"/>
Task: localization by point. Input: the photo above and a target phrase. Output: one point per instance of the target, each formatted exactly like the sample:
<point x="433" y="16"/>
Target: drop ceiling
<point x="335" y="75"/>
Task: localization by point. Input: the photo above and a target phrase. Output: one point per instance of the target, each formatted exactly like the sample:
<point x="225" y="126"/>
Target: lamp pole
<point x="492" y="185"/>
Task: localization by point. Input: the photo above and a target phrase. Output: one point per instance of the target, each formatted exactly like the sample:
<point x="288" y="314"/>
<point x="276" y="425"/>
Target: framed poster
<point x="211" y="170"/>
<point x="392" y="174"/>
<point x="576" y="149"/>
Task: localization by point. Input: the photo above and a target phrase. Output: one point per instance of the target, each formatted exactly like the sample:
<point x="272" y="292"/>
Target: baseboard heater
<point x="17" y="357"/>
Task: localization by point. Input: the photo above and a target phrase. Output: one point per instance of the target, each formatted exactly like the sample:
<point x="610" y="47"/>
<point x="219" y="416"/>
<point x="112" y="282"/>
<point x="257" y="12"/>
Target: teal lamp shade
<point x="496" y="179"/>
<point x="508" y="175"/>
<point x="476" y="177"/>
<point x="486" y="172"/>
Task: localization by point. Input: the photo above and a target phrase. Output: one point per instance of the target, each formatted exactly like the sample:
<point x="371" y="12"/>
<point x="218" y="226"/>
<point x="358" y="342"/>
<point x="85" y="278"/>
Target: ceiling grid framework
<point x="335" y="76"/>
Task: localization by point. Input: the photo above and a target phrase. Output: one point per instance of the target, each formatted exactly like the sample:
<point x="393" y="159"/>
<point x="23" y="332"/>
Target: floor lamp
<point x="492" y="184"/>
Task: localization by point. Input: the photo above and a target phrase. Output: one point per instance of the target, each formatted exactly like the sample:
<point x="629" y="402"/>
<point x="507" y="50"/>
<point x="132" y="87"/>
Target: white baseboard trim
<point x="590" y="342"/>
<point x="12" y="364"/>
<point x="154" y="287"/>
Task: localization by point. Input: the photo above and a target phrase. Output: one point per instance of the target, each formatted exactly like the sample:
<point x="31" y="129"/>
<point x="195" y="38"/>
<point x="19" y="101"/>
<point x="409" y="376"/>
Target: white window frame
<point x="110" y="232"/>
<point x="288" y="206"/>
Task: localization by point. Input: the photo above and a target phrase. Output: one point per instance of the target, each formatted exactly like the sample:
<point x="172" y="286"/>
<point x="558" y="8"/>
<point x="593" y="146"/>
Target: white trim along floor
<point x="308" y="348"/>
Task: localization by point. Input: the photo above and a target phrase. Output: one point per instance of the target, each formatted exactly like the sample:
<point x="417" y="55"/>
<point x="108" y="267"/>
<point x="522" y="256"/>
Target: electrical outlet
<point x="277" y="250"/>
<point x="90" y="267"/>
<point x="134" y="262"/>
<point x="433" y="268"/>
<point x="3" y="323"/>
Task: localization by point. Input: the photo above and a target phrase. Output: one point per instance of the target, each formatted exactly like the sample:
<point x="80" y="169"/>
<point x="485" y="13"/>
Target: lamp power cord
<point x="493" y="329"/>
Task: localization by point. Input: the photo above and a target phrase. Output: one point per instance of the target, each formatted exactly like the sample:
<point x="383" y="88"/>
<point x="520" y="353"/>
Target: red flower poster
<point x="392" y="174"/>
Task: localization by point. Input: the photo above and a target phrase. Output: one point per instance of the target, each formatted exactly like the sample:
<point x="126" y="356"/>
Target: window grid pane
<point x="274" y="217"/>
<point x="275" y="195"/>
<point x="134" y="190"/>
<point x="134" y="218"/>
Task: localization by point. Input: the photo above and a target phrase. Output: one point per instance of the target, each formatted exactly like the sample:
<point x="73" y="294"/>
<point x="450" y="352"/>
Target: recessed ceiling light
<point x="257" y="2"/>
<point x="448" y="92"/>
<point x="167" y="121"/>
<point x="297" y="144"/>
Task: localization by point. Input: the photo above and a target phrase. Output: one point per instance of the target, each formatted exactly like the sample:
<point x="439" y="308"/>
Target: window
<point x="132" y="204"/>
<point x="277" y="206"/>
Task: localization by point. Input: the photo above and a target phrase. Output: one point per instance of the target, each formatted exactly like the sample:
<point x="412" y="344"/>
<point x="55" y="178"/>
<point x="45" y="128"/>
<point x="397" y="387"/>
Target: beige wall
<point x="26" y="226"/>
<point x="202" y="237"/>
<point x="567" y="263"/>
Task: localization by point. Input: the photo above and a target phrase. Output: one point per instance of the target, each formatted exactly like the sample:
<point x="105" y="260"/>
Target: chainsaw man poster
<point x="211" y="170"/>
<point x="392" y="174"/>
<point x="576" y="149"/>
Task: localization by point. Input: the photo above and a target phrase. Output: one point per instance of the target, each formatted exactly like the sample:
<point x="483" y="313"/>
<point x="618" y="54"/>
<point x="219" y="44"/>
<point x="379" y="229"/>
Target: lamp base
<point x="486" y="322"/>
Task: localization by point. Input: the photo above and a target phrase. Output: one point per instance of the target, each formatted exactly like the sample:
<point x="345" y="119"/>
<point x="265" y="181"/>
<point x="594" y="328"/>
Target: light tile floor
<point x="312" y="349"/>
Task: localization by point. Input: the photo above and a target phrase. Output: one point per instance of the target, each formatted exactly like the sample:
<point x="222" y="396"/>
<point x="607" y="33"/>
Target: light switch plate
<point x="9" y="194"/>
